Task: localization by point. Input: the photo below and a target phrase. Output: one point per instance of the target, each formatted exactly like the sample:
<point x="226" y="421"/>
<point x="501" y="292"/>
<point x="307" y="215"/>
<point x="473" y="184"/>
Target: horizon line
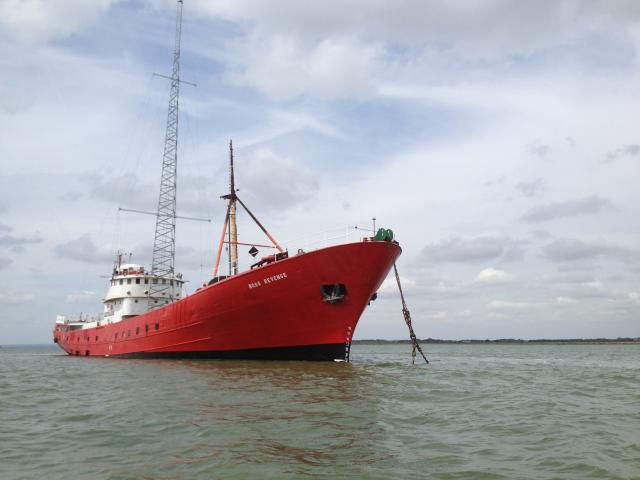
<point x="436" y="340"/>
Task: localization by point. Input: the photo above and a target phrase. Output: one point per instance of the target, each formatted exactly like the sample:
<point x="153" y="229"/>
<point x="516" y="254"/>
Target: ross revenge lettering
<point x="267" y="280"/>
<point x="275" y="278"/>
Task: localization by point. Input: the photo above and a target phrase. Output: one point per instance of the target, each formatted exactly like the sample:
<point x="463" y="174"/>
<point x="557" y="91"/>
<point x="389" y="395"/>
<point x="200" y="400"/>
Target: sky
<point x="498" y="139"/>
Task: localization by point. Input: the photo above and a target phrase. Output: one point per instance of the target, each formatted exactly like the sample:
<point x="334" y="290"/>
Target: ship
<point x="299" y="306"/>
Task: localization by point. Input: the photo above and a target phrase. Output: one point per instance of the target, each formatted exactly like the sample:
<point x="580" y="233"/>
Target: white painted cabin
<point x="129" y="295"/>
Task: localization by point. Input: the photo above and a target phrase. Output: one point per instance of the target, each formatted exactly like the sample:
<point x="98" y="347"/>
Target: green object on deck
<point x="384" y="235"/>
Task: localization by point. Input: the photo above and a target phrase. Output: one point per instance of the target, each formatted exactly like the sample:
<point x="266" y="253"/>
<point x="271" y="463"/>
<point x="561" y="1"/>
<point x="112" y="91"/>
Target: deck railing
<point x="328" y="237"/>
<point x="81" y="318"/>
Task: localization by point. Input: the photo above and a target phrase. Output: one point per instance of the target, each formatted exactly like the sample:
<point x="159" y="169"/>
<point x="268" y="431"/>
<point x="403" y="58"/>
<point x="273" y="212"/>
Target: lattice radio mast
<point x="164" y="245"/>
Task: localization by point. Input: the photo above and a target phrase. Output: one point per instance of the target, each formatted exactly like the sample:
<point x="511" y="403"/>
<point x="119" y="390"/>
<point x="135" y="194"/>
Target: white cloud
<point x="275" y="182"/>
<point x="83" y="249"/>
<point x="389" y="285"/>
<point x="507" y="305"/>
<point x="484" y="29"/>
<point x="16" y="298"/>
<point x="584" y="206"/>
<point x="593" y="285"/>
<point x="430" y="102"/>
<point x="491" y="275"/>
<point x="283" y="67"/>
<point x="531" y="189"/>
<point x="569" y="249"/>
<point x="83" y="296"/>
<point x="38" y="21"/>
<point x="474" y="249"/>
<point x="564" y="301"/>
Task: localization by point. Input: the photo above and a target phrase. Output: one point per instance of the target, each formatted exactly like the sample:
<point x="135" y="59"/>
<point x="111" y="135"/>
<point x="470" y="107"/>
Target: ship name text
<point x="267" y="280"/>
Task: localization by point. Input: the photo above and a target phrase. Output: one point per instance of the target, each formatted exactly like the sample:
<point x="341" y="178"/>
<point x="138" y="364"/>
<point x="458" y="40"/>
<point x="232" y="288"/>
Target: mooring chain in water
<point x="407" y="318"/>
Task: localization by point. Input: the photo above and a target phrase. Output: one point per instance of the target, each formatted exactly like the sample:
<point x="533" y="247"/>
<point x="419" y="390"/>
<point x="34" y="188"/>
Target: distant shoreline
<point x="510" y="341"/>
<point x="434" y="341"/>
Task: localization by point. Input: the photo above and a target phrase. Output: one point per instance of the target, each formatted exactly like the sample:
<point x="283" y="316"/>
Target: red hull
<point x="274" y="311"/>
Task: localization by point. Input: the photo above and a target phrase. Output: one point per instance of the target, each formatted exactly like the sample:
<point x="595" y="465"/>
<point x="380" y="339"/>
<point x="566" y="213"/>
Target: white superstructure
<point x="129" y="294"/>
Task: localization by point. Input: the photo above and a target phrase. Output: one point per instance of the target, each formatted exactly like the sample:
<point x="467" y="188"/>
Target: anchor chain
<point x="407" y="318"/>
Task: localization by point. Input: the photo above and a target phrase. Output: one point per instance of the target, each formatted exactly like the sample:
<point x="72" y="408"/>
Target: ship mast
<point x="230" y="228"/>
<point x="233" y="227"/>
<point x="164" y="245"/>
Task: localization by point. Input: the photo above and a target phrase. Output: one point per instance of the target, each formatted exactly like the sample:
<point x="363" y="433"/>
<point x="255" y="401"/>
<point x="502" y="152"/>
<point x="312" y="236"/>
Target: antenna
<point x="164" y="245"/>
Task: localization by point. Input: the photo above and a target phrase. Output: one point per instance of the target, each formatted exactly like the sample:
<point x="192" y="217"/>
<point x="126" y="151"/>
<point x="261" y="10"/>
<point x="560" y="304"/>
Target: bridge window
<point x="146" y="328"/>
<point x="137" y="281"/>
<point x="128" y="281"/>
<point x="164" y="281"/>
<point x="120" y="281"/>
<point x="155" y="281"/>
<point x="137" y="330"/>
<point x="157" y="326"/>
<point x="146" y="281"/>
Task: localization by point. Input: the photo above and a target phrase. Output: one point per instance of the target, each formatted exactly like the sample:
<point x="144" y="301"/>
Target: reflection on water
<point x="477" y="411"/>
<point x="298" y="413"/>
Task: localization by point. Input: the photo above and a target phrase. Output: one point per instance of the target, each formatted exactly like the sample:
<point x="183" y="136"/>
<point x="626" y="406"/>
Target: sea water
<point x="476" y="412"/>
